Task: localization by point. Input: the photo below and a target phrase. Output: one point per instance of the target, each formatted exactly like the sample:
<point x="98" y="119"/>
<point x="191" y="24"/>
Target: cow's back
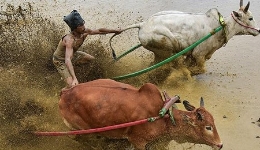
<point x="106" y="102"/>
<point x="174" y="31"/>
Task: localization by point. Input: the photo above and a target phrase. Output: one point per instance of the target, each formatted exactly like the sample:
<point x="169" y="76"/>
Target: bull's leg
<point x="91" y="142"/>
<point x="138" y="143"/>
<point x="171" y="73"/>
<point x="163" y="44"/>
<point x="95" y="142"/>
<point x="157" y="145"/>
<point x="118" y="144"/>
<point x="199" y="67"/>
<point x="208" y="56"/>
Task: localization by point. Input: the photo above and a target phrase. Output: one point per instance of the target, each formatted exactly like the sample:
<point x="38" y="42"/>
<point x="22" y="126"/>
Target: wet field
<point x="30" y="85"/>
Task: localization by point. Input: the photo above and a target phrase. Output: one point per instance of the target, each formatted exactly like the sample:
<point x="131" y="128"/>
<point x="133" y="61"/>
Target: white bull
<point x="168" y="32"/>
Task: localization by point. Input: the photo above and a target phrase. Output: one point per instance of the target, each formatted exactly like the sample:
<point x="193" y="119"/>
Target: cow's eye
<point x="250" y="19"/>
<point x="208" y="127"/>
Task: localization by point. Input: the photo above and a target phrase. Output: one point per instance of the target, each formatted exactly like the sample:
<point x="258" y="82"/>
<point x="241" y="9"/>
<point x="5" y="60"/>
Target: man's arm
<point x="102" y="31"/>
<point x="68" y="41"/>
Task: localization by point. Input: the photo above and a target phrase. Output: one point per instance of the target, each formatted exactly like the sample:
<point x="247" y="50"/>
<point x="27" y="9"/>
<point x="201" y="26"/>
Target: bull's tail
<point x="138" y="25"/>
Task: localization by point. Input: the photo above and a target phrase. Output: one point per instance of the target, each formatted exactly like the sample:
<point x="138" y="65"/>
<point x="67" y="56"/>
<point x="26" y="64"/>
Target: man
<point x="68" y="46"/>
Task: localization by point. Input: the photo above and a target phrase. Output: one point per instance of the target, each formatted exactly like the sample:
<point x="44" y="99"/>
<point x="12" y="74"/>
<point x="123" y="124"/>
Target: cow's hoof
<point x="197" y="71"/>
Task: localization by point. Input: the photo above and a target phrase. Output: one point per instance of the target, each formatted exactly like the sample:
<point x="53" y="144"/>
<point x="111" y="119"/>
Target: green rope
<point x="162" y="112"/>
<point x="129" y="51"/>
<point x="171" y="116"/>
<point x="170" y="58"/>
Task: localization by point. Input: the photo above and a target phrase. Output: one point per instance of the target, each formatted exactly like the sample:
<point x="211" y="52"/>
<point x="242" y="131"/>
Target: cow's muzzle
<point x="220" y="146"/>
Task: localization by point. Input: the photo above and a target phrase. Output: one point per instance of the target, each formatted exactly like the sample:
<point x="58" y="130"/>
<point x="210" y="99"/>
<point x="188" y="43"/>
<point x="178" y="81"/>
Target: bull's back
<point x="106" y="102"/>
<point x="180" y="25"/>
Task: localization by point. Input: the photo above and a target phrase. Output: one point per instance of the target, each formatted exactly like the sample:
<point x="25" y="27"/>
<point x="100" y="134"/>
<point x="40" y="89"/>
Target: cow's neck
<point x="231" y="27"/>
<point x="184" y="124"/>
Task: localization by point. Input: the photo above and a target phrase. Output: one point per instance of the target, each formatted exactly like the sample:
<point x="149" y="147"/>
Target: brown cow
<point x="105" y="102"/>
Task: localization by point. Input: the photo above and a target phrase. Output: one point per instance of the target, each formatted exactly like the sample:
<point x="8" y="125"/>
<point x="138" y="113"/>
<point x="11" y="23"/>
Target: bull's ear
<point x="236" y="14"/>
<point x="188" y="106"/>
<point x="201" y="102"/>
<point x="199" y="116"/>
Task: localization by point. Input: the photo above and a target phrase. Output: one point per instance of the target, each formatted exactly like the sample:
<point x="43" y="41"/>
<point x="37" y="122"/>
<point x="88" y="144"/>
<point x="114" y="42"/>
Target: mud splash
<point x="29" y="81"/>
<point x="30" y="85"/>
<point x="28" y="77"/>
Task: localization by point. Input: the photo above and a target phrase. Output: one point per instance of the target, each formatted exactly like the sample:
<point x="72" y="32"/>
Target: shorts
<point x="61" y="66"/>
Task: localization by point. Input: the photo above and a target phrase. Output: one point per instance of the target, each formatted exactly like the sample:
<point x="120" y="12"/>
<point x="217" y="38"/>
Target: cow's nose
<point x="220" y="146"/>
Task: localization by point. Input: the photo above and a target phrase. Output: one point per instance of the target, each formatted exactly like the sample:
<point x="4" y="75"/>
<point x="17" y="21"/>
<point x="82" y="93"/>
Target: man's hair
<point x="73" y="20"/>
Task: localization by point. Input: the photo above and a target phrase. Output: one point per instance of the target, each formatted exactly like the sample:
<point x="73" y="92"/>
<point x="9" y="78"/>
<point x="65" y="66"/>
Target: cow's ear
<point x="188" y="106"/>
<point x="199" y="114"/>
<point x="236" y="14"/>
<point x="200" y="117"/>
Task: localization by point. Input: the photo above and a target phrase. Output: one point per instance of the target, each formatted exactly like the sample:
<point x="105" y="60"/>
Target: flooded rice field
<point x="30" y="85"/>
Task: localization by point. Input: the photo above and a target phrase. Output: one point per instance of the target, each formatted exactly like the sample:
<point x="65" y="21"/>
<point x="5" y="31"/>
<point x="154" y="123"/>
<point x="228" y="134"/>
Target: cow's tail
<point x="138" y="25"/>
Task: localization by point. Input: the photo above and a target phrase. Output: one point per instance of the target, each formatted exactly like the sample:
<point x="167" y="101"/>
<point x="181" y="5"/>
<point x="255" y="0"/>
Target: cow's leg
<point x="118" y="144"/>
<point x="163" y="44"/>
<point x="96" y="142"/>
<point x="199" y="67"/>
<point x="208" y="56"/>
<point x="139" y="143"/>
<point x="91" y="142"/>
<point x="157" y="144"/>
<point x="159" y="40"/>
<point x="167" y="46"/>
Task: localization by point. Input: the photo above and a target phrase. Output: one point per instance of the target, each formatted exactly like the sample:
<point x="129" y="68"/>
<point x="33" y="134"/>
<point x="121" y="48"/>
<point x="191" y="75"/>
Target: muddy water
<point x="30" y="85"/>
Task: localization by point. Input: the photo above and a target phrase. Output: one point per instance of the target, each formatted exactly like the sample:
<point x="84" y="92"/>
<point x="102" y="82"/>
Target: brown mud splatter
<point x="30" y="85"/>
<point x="28" y="76"/>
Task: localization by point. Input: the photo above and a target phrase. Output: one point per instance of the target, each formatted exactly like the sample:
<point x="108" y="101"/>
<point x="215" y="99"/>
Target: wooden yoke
<point x="169" y="102"/>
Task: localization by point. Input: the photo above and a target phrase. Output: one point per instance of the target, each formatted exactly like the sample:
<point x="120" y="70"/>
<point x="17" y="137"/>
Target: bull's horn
<point x="201" y="102"/>
<point x="246" y="8"/>
<point x="241" y="3"/>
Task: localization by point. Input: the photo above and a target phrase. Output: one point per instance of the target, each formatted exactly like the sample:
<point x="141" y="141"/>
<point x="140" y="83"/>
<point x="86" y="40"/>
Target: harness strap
<point x="169" y="103"/>
<point x="243" y="24"/>
<point x="223" y="24"/>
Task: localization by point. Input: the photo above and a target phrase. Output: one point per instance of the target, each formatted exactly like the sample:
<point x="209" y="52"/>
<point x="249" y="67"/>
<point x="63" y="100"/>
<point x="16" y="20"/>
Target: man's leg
<point x="62" y="69"/>
<point x="82" y="57"/>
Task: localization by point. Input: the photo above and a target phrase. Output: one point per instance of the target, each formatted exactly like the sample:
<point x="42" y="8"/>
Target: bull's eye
<point x="250" y="19"/>
<point x="208" y="127"/>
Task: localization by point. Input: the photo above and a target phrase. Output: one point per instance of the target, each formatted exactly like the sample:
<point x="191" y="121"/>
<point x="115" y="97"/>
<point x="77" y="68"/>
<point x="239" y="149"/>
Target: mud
<point x="30" y="85"/>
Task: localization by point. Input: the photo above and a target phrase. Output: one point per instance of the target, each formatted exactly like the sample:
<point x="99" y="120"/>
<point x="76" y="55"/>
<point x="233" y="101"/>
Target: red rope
<point x="242" y="24"/>
<point x="76" y="132"/>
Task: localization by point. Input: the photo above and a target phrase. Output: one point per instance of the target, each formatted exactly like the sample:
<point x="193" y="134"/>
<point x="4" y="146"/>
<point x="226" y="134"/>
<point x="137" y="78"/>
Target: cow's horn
<point x="241" y="3"/>
<point x="201" y="102"/>
<point x="247" y="6"/>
